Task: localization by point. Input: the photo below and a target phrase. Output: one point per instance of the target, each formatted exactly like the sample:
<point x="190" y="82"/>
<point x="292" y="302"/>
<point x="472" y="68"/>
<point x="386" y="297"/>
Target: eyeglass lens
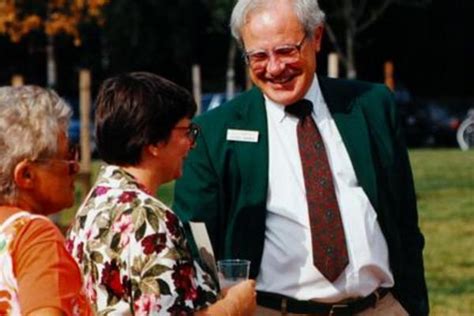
<point x="193" y="132"/>
<point x="286" y="54"/>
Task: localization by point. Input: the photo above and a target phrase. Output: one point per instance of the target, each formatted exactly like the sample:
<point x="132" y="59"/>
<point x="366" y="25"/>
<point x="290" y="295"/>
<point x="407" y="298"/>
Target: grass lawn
<point x="444" y="180"/>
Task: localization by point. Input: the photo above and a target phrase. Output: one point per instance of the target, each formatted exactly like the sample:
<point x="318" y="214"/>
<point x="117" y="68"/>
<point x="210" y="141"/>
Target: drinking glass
<point x="232" y="271"/>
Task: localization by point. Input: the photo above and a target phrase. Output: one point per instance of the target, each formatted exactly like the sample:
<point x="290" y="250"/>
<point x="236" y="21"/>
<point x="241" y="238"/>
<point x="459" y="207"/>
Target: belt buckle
<point x="339" y="310"/>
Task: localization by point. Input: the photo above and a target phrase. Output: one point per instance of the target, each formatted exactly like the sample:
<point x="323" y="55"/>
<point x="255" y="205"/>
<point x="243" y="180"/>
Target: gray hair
<point x="31" y="119"/>
<point x="307" y="11"/>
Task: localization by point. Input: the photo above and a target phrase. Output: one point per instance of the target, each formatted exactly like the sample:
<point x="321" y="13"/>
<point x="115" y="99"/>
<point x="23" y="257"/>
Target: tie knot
<point x="300" y="109"/>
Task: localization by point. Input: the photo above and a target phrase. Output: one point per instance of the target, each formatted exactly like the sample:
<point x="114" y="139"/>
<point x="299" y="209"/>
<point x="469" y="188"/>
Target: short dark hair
<point x="137" y="109"/>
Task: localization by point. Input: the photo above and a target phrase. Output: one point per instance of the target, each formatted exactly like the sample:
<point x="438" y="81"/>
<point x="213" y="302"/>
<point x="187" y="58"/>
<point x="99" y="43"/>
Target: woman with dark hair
<point x="37" y="171"/>
<point x="130" y="246"/>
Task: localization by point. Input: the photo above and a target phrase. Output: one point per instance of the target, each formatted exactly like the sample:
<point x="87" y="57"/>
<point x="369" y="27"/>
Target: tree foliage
<point x="20" y="17"/>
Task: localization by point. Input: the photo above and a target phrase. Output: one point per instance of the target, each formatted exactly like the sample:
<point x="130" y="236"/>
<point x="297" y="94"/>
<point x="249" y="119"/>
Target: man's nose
<point x="274" y="65"/>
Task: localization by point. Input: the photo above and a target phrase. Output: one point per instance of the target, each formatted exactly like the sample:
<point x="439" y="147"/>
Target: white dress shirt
<point x="287" y="266"/>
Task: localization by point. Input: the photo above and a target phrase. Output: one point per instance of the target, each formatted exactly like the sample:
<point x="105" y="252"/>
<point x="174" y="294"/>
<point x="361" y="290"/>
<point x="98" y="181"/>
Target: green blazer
<point x="225" y="183"/>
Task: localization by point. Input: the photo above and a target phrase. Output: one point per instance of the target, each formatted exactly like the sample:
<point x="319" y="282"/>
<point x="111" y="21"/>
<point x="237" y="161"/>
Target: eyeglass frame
<point x="72" y="161"/>
<point x="192" y="132"/>
<point x="248" y="54"/>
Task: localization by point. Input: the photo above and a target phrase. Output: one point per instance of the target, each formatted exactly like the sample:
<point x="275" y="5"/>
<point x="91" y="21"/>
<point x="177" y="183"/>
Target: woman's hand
<point x="239" y="300"/>
<point x="242" y="298"/>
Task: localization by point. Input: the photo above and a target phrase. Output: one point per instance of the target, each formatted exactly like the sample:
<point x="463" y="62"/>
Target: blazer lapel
<point x="252" y="157"/>
<point x="351" y="123"/>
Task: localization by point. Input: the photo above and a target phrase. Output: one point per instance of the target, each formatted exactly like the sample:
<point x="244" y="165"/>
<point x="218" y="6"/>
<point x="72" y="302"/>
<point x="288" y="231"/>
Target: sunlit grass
<point x="444" y="181"/>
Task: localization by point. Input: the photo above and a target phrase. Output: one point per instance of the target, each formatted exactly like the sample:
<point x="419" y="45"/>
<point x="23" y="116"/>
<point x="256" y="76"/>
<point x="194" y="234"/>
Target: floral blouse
<point x="133" y="253"/>
<point x="36" y="271"/>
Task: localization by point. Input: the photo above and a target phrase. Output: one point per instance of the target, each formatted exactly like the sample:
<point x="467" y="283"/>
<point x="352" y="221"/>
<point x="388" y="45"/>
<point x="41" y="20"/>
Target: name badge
<point x="241" y="135"/>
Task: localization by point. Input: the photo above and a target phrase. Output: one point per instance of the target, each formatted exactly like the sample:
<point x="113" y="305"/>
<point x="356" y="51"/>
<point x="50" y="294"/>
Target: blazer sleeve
<point x="410" y="283"/>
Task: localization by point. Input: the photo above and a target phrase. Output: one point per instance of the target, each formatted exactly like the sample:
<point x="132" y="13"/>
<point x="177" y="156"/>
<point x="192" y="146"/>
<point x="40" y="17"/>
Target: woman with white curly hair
<point x="37" y="171"/>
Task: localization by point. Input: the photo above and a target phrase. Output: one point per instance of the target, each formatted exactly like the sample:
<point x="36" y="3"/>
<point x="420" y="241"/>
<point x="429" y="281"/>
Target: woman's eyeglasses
<point x="192" y="132"/>
<point x="72" y="159"/>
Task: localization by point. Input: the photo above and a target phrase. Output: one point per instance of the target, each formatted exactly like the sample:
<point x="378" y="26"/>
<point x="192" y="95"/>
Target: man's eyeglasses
<point x="192" y="132"/>
<point x="72" y="159"/>
<point x="287" y="54"/>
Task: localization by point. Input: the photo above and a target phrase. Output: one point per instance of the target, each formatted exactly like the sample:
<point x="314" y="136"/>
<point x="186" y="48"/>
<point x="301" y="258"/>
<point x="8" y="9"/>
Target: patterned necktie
<point x="329" y="243"/>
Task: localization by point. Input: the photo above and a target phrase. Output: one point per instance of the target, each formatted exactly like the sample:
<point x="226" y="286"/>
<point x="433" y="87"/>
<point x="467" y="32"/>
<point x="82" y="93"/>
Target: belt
<point x="290" y="305"/>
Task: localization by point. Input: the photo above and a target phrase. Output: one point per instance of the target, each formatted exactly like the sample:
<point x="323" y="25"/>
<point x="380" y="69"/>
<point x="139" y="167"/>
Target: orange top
<point x="46" y="274"/>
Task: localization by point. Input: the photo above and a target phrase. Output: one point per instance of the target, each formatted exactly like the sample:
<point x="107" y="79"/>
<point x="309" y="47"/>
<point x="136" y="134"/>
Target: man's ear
<point x="318" y="37"/>
<point x="23" y="175"/>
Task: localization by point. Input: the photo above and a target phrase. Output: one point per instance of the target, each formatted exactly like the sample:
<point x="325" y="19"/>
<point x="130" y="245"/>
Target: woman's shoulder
<point x="31" y="228"/>
<point x="112" y="203"/>
<point x="116" y="191"/>
<point x="115" y="217"/>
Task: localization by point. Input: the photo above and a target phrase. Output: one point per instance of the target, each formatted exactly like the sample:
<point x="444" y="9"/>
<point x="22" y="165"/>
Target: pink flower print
<point x="80" y="252"/>
<point x="91" y="293"/>
<point x="91" y="233"/>
<point x="127" y="196"/>
<point x="124" y="227"/>
<point x="100" y="190"/>
<point x="88" y="233"/>
<point x="146" y="304"/>
<point x="69" y="245"/>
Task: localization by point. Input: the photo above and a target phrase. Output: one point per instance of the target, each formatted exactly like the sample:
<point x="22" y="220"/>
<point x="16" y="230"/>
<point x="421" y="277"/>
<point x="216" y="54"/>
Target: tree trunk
<point x="230" y="73"/>
<point x="350" y="37"/>
<point x="333" y="65"/>
<point x="197" y="91"/>
<point x="351" y="69"/>
<point x="50" y="63"/>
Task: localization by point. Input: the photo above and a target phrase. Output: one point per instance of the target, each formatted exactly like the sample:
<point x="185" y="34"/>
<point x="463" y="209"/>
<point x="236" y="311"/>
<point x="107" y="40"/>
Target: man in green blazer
<point x="247" y="178"/>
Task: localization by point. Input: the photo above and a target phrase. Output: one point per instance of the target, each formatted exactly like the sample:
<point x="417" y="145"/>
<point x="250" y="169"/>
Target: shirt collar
<point x="313" y="94"/>
<point x="117" y="177"/>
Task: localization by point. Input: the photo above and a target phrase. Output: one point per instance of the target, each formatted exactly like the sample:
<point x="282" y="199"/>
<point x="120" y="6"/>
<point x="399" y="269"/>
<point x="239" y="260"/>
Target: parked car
<point x="432" y="123"/>
<point x="212" y="100"/>
<point x="465" y="133"/>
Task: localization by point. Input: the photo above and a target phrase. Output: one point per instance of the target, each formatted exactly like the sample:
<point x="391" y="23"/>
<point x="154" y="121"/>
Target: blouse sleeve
<point x="47" y="275"/>
<point x="166" y="275"/>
